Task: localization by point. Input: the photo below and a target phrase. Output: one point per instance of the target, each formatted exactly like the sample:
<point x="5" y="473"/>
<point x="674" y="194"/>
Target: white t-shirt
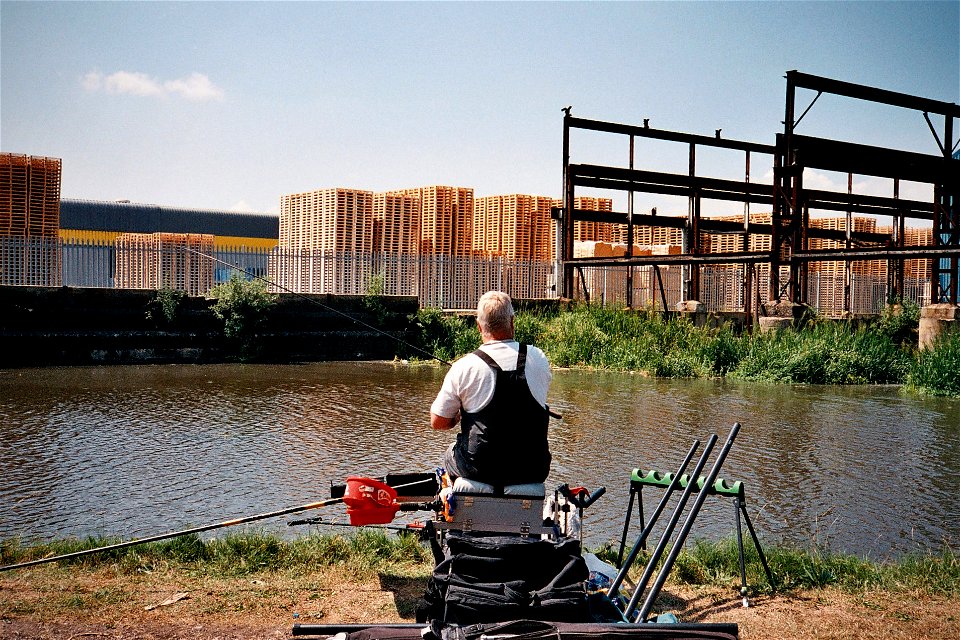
<point x="471" y="381"/>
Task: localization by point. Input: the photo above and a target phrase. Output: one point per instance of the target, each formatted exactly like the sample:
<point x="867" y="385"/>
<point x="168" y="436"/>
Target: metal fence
<point x="447" y="282"/>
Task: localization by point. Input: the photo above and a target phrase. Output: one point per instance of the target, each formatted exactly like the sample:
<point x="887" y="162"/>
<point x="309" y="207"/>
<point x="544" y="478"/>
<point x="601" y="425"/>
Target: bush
<point x="441" y="335"/>
<point x="243" y="306"/>
<point x="164" y="310"/>
<point x="824" y="353"/>
<point x="936" y="371"/>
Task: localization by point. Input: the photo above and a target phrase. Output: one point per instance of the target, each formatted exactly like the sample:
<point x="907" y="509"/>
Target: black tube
<point x="593" y="497"/>
<point x="626" y="522"/>
<point x="688" y="523"/>
<point x="671" y="524"/>
<point x="328" y="630"/>
<point x="625" y="567"/>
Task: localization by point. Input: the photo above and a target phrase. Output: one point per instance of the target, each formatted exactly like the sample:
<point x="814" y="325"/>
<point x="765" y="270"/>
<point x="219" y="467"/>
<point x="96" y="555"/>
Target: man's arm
<point x="441" y="423"/>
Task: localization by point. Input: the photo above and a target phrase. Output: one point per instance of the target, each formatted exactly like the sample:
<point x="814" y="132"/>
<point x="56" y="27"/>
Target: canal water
<point x="134" y="451"/>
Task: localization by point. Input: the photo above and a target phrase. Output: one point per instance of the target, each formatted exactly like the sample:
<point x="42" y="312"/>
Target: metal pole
<point x="743" y="566"/>
<point x="625" y="567"/>
<point x="687" y="525"/>
<point x="671" y="525"/>
<point x="630" y="234"/>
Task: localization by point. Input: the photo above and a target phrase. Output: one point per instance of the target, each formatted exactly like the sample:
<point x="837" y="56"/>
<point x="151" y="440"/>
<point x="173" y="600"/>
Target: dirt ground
<point x="70" y="604"/>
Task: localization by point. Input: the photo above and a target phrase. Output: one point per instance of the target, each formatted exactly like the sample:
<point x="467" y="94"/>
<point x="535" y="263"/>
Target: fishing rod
<point x="176" y="534"/>
<point x="410" y="526"/>
<point x="326" y="307"/>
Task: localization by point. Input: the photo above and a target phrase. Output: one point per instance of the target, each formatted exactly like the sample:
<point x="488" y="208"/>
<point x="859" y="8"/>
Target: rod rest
<point x="663" y="479"/>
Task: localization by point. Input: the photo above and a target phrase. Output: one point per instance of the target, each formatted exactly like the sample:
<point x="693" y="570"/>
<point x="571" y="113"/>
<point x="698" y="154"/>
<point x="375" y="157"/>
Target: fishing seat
<point x="478" y="507"/>
<point x="531" y="489"/>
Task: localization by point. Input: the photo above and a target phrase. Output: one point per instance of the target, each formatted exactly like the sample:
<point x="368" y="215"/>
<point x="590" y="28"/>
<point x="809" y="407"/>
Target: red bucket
<point x="369" y="501"/>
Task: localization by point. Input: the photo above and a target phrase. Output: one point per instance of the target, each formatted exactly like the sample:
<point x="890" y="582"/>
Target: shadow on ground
<point x="407" y="592"/>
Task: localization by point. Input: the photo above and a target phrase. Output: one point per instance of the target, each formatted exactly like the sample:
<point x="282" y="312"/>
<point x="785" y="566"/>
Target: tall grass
<point x="936" y="371"/>
<point x="717" y="563"/>
<point x="824" y="353"/>
<point x="670" y="346"/>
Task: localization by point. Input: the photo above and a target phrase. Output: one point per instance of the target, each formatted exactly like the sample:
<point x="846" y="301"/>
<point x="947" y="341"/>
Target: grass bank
<point x="252" y="587"/>
<point x="368" y="552"/>
<point x="823" y="351"/>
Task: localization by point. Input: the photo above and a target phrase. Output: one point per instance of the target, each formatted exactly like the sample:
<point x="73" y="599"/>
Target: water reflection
<point x="132" y="451"/>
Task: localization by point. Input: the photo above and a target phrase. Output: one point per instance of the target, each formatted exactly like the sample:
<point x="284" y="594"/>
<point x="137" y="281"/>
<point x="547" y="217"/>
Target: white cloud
<point x="135" y="83"/>
<point x="196" y="87"/>
<point x="241" y="207"/>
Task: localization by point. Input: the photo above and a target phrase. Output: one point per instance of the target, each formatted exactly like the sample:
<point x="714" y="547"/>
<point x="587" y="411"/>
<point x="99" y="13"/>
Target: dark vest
<point x="506" y="441"/>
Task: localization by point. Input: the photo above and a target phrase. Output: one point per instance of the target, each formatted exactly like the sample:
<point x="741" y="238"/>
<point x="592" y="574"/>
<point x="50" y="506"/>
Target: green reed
<point x="823" y="351"/>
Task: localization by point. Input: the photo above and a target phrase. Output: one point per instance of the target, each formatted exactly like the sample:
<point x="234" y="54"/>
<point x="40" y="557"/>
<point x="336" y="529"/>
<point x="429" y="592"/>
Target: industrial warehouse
<point x="438" y="243"/>
<point x="828" y="250"/>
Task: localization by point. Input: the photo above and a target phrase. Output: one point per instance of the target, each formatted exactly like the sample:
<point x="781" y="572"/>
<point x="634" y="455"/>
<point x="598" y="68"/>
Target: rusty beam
<point x="670" y="136"/>
<point x="872" y="94"/>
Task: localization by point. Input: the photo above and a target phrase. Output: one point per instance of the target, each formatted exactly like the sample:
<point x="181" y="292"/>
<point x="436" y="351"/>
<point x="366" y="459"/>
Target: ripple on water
<point x="133" y="451"/>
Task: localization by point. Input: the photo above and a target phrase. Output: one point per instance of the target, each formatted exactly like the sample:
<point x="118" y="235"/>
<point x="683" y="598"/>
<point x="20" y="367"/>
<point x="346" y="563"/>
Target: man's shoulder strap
<point x="483" y="355"/>
<point x="521" y="358"/>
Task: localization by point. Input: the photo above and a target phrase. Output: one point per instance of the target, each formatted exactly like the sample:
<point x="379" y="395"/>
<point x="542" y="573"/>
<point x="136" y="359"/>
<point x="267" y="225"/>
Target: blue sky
<point x="230" y="105"/>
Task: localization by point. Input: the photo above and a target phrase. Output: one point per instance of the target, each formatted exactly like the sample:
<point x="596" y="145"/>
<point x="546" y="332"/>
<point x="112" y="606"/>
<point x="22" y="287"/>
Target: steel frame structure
<point x="790" y="201"/>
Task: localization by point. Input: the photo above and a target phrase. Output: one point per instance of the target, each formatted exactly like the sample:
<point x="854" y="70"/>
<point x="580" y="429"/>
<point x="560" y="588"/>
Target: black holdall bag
<point x="497" y="579"/>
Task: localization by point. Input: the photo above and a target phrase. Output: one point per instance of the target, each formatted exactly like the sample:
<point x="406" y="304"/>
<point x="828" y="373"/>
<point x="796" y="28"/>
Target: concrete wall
<point x="42" y="326"/>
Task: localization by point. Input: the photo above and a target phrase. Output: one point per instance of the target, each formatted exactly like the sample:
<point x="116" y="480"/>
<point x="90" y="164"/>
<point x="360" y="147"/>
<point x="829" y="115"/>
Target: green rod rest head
<point x="663" y="479"/>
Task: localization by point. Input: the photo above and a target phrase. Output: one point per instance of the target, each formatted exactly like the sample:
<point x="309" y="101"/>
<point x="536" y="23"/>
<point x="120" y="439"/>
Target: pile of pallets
<point x="917" y="237"/>
<point x="396" y="223"/>
<point x="164" y="260"/>
<point x="837" y="267"/>
<point x="29" y="220"/>
<point x="516" y="226"/>
<point x="446" y="219"/>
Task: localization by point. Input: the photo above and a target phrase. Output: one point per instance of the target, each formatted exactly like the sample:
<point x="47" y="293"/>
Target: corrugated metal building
<point x="105" y="220"/>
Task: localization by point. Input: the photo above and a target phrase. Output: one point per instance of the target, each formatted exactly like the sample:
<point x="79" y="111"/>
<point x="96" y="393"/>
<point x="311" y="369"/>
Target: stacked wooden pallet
<point x="515" y="226"/>
<point x="917" y="237"/>
<point x="446" y="219"/>
<point x="29" y="220"/>
<point x="29" y="196"/>
<point x="837" y="267"/>
<point x="164" y="260"/>
<point x="396" y="223"/>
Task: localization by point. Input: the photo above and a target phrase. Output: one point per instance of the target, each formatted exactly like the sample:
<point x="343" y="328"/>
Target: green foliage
<point x="899" y="322"/>
<point x="243" y="306"/>
<point x="373" y="299"/>
<point x="666" y="346"/>
<point x="364" y="551"/>
<point x="824" y="353"/>
<point x="166" y="306"/>
<point x="717" y="563"/>
<point x="530" y="327"/>
<point x="936" y="371"/>
<point x="243" y="553"/>
<point x="444" y="335"/>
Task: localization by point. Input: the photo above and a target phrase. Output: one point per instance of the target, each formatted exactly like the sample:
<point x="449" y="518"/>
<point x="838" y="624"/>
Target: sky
<point x="230" y="105"/>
